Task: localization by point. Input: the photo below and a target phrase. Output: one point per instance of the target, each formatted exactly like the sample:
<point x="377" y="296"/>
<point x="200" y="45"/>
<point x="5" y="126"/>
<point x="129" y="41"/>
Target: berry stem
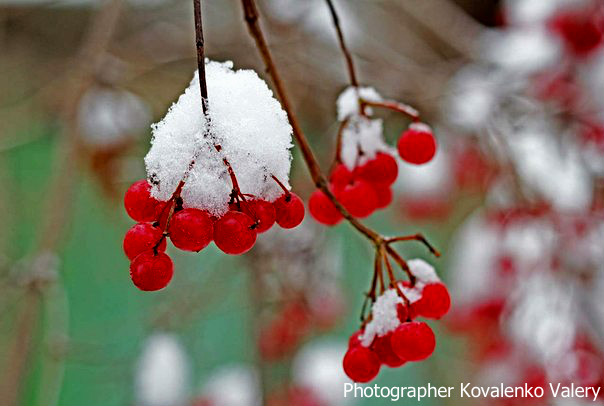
<point x="282" y="186"/>
<point x="402" y="263"/>
<point x="395" y="106"/>
<point x="415" y="237"/>
<point x="378" y="269"/>
<point x="393" y="282"/>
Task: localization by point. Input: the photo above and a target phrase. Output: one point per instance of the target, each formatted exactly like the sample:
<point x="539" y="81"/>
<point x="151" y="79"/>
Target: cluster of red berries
<point x="193" y="229"/>
<point x="368" y="187"/>
<point x="410" y="341"/>
<point x="361" y="191"/>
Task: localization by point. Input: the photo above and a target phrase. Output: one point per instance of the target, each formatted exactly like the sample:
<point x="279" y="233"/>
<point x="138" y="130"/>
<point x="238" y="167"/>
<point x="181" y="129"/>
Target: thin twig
<point x="415" y="237"/>
<point x="251" y="17"/>
<point x="395" y="106"/>
<point x="402" y="263"/>
<point x="201" y="63"/>
<point x="347" y="55"/>
<point x="393" y="282"/>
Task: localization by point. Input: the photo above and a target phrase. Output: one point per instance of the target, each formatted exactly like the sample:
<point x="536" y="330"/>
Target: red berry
<point x="435" y="301"/>
<point x="142" y="237"/>
<point x="404" y="313"/>
<point x="355" y="339"/>
<point x="382" y="346"/>
<point x="261" y="211"/>
<point x="150" y="271"/>
<point x="417" y="145"/>
<point x="290" y="210"/>
<point x="322" y="209"/>
<point x="381" y="170"/>
<point x="361" y="364"/>
<point x="234" y="233"/>
<point x="340" y="176"/>
<point x="413" y="341"/>
<point x="383" y="194"/>
<point x="191" y="229"/>
<point x="139" y="204"/>
<point x="582" y="31"/>
<point x="358" y="198"/>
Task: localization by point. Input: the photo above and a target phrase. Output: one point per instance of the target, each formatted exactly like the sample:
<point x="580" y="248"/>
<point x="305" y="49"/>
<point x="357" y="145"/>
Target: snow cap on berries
<point x="348" y="101"/>
<point x="248" y="124"/>
<point x="162" y="372"/>
<point x="385" y="317"/>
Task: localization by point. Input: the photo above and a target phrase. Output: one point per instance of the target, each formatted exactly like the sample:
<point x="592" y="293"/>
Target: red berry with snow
<point x="361" y="364"/>
<point x="413" y="341"/>
<point x="143" y="237"/>
<point x="322" y="209"/>
<point x="417" y="144"/>
<point x="382" y="346"/>
<point x="382" y="169"/>
<point x="358" y="197"/>
<point x="191" y="229"/>
<point x="151" y="271"/>
<point x="435" y="301"/>
<point x="262" y="212"/>
<point x="290" y="210"/>
<point x="139" y="204"/>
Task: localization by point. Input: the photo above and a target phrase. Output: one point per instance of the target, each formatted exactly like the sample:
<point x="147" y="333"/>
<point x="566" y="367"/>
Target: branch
<point x="251" y="17"/>
<point x="201" y="63"/>
<point x="349" y="63"/>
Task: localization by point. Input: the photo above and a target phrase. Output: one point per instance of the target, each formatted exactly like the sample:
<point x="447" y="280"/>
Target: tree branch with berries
<point x="218" y="171"/>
